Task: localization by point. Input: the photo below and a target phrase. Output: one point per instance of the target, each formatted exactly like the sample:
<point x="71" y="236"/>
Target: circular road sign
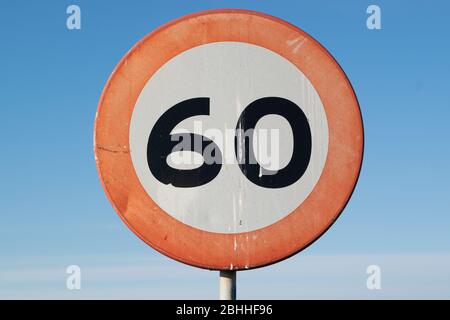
<point x="228" y="139"/>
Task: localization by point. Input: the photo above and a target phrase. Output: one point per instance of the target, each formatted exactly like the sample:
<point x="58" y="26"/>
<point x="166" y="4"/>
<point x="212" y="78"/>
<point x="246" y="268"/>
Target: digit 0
<point x="301" y="153"/>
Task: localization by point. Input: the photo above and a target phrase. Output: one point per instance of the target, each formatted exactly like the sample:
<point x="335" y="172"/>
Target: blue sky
<point x="54" y="212"/>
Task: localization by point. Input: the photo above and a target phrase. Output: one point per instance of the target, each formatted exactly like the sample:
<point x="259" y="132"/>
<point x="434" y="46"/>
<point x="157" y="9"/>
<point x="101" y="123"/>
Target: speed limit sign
<point x="228" y="139"/>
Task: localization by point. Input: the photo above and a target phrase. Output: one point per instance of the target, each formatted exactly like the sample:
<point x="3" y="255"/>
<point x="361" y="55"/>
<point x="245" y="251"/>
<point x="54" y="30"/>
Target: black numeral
<point x="161" y="144"/>
<point x="302" y="142"/>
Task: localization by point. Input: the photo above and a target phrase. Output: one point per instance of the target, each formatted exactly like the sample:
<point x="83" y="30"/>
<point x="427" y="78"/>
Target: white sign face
<point x="227" y="79"/>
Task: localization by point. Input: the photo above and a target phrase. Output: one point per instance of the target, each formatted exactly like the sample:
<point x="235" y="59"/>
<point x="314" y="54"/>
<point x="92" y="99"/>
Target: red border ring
<point x="216" y="250"/>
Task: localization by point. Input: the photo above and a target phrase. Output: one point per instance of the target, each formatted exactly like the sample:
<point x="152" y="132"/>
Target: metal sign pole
<point x="227" y="285"/>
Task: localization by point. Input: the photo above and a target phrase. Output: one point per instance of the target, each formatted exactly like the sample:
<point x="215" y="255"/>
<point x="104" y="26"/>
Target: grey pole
<point x="227" y="285"/>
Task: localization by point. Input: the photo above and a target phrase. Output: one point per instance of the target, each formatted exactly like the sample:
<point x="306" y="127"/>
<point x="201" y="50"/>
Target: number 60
<point x="161" y="144"/>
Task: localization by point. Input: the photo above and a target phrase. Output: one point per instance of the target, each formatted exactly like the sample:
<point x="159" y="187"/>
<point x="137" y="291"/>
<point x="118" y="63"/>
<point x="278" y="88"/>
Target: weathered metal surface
<point x="232" y="58"/>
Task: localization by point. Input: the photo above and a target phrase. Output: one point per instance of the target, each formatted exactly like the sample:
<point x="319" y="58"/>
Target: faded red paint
<point x="215" y="250"/>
